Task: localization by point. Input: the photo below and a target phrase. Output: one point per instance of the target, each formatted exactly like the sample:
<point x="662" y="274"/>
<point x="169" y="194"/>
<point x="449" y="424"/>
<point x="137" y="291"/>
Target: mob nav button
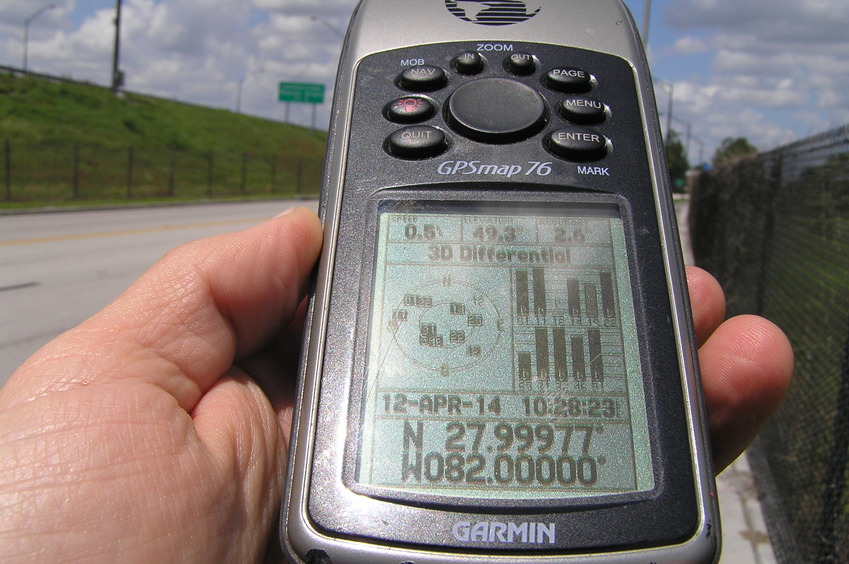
<point x="417" y="142"/>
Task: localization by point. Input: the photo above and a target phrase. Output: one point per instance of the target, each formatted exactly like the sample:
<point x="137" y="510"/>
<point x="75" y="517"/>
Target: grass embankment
<point x="73" y="142"/>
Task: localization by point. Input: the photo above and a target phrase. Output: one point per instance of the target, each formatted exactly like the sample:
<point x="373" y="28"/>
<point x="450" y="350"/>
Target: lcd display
<point x="503" y="358"/>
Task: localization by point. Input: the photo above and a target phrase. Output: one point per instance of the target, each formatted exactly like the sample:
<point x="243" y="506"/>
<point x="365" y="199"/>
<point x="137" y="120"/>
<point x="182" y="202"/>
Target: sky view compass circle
<point x="447" y="326"/>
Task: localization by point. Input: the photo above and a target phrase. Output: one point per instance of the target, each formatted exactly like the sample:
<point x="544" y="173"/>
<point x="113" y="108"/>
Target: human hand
<point x="158" y="429"/>
<point x="137" y="437"/>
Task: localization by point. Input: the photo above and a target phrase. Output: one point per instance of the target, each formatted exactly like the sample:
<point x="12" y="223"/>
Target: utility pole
<point x="117" y="75"/>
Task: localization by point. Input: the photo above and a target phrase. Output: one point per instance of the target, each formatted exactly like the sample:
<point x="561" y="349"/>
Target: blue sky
<point x="769" y="70"/>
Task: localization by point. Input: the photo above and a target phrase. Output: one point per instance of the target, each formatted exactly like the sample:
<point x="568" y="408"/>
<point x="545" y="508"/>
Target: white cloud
<point x="192" y="50"/>
<point x="194" y="26"/>
<point x="775" y="20"/>
<point x="716" y="111"/>
<point x="307" y="7"/>
<point x="688" y="45"/>
<point x="778" y="70"/>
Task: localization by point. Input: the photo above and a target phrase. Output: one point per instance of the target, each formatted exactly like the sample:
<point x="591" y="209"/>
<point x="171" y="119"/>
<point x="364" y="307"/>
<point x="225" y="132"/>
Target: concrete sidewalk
<point x="744" y="534"/>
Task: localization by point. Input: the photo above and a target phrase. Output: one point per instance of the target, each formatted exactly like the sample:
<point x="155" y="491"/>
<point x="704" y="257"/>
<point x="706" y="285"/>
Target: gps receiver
<point x="500" y="363"/>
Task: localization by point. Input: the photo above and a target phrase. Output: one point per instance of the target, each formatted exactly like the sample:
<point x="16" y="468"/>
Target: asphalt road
<point x="57" y="269"/>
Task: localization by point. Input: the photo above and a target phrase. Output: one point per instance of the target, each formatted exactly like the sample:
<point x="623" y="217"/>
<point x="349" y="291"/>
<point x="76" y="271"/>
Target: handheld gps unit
<point x="500" y="364"/>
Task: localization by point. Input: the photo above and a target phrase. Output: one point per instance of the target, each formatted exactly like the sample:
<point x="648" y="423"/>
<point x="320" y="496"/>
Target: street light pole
<point x="689" y="127"/>
<point x="329" y="25"/>
<point x="671" y="89"/>
<point x="341" y="35"/>
<point x="239" y="88"/>
<point x="26" y="31"/>
<point x="669" y="115"/>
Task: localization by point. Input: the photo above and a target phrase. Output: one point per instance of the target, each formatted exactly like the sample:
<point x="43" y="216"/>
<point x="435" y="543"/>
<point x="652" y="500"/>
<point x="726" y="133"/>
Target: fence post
<point x="774" y="185"/>
<point x="244" y="173"/>
<point x="209" y="168"/>
<point x="299" y="175"/>
<point x="172" y="171"/>
<point x="76" y="173"/>
<point x="130" y="161"/>
<point x="273" y="173"/>
<point x="7" y="158"/>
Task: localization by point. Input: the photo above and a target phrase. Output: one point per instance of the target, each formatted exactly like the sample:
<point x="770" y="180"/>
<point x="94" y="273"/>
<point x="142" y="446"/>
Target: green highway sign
<point x="301" y="92"/>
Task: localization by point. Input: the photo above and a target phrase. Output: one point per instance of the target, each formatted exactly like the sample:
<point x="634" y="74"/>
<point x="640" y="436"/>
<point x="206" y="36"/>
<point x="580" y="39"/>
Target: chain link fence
<point x="774" y="229"/>
<point x="54" y="172"/>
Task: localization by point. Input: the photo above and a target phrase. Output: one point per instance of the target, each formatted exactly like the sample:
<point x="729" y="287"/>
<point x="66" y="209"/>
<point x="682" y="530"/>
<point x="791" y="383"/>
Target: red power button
<point x="409" y="110"/>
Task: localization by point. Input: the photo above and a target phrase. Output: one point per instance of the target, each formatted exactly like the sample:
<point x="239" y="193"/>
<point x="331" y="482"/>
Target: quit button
<point x="417" y="142"/>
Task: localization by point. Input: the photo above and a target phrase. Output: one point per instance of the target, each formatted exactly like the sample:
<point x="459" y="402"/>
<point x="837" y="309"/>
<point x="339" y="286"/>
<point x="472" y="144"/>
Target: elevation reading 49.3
<point x="503" y="351"/>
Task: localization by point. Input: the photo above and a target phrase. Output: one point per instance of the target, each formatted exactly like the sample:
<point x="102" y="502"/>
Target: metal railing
<point x="55" y="172"/>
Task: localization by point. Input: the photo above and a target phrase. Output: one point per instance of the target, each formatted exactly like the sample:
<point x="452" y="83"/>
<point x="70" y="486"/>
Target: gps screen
<point x="503" y="358"/>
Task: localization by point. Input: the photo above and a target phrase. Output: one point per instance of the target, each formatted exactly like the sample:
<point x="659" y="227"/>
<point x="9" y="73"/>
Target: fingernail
<point x="287" y="211"/>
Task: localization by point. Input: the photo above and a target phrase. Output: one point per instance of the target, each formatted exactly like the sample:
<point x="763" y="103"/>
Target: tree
<point x="676" y="159"/>
<point x="731" y="149"/>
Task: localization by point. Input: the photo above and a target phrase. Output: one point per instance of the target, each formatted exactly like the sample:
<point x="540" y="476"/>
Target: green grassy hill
<point x="48" y="126"/>
<point x="37" y="110"/>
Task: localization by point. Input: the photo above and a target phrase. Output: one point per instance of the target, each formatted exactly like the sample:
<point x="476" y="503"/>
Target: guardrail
<point x="21" y="72"/>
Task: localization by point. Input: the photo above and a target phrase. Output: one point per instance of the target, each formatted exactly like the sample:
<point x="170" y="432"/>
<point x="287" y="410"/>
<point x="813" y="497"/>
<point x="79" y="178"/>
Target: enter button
<point x="578" y="144"/>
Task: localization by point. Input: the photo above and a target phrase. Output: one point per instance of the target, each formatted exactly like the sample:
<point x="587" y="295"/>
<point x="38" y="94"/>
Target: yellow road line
<point x="102" y="234"/>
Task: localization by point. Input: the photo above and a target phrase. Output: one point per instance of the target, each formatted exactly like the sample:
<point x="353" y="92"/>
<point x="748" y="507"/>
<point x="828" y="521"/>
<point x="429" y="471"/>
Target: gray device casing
<point x="316" y="494"/>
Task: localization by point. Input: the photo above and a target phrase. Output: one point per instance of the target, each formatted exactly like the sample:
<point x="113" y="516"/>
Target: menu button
<point x="583" y="110"/>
